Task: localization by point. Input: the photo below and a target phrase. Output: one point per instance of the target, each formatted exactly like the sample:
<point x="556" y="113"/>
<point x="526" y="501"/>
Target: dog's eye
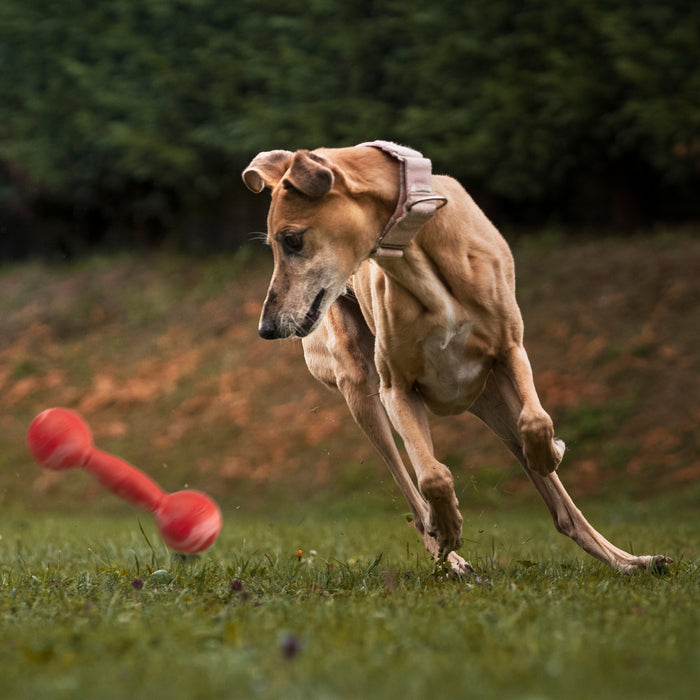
<point x="292" y="241"/>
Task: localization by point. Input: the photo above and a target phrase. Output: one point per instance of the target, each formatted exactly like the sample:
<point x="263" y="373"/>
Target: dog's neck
<point x="416" y="204"/>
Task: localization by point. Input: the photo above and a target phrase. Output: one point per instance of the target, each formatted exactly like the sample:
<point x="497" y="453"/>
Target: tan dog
<point x="431" y="320"/>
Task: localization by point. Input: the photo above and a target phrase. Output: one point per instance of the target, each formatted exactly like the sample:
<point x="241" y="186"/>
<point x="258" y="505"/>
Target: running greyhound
<point x="403" y="293"/>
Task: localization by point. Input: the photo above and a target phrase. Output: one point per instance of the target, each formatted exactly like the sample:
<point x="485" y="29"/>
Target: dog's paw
<point x="542" y="450"/>
<point x="459" y="566"/>
<point x="657" y="563"/>
<point x="445" y="527"/>
<point x="443" y="521"/>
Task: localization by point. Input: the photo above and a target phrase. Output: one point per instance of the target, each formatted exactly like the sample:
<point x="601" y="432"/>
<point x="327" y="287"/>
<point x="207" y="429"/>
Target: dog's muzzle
<point x="271" y="327"/>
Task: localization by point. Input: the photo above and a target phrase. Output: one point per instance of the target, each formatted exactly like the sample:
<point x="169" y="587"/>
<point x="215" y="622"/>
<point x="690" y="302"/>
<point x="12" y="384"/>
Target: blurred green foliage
<point x="130" y="115"/>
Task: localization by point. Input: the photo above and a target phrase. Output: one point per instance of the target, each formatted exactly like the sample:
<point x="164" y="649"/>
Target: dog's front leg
<point x="407" y="413"/>
<point x="340" y="354"/>
<point x="542" y="450"/>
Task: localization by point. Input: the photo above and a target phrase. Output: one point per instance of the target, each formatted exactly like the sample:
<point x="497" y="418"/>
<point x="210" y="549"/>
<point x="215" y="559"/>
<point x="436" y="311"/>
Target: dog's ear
<point x="310" y="174"/>
<point x="266" y="169"/>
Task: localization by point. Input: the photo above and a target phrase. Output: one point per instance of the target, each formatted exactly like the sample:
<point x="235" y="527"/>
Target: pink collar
<point x="416" y="204"/>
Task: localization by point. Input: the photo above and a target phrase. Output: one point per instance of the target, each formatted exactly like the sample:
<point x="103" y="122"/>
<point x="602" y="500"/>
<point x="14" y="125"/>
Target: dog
<point x="403" y="293"/>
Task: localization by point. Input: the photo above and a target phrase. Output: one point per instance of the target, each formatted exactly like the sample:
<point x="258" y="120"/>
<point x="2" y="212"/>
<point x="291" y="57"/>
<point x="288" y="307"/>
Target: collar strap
<point x="416" y="204"/>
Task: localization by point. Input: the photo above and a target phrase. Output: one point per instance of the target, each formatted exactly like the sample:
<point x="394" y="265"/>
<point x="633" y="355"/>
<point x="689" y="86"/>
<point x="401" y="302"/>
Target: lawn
<point x="160" y="354"/>
<point x="95" y="606"/>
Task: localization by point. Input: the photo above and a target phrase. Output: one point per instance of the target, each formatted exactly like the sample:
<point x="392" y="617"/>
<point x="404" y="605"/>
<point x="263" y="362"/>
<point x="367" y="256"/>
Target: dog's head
<point x="323" y="222"/>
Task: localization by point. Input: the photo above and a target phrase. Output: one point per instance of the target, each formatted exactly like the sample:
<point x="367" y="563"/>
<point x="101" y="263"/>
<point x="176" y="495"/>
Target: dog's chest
<point x="450" y="380"/>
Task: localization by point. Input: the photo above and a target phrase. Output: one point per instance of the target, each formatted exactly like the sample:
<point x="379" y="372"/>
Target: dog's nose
<point x="267" y="328"/>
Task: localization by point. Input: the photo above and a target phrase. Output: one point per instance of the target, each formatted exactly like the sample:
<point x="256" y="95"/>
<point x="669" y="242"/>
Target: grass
<point x="95" y="606"/>
<point x="162" y="357"/>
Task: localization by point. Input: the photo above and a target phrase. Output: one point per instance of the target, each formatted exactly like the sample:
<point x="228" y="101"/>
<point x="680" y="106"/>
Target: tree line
<point x="127" y="123"/>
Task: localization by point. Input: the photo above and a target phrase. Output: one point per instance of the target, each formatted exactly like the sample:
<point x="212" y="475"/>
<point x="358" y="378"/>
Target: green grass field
<point x="94" y="606"/>
<point x="161" y="355"/>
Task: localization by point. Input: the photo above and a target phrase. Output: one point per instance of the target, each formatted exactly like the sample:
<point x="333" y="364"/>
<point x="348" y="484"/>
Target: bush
<point x="127" y="116"/>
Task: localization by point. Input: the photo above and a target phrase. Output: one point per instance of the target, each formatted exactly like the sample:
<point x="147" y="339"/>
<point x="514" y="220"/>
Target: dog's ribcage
<point x="450" y="382"/>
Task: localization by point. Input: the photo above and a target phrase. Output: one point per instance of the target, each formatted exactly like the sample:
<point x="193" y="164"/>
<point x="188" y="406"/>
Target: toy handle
<point x="124" y="480"/>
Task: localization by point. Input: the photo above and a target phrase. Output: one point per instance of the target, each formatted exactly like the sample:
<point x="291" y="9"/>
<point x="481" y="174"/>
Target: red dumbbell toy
<point x="188" y="521"/>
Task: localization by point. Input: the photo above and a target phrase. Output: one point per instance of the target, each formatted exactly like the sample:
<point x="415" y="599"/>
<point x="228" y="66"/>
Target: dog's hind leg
<point x="500" y="407"/>
<point x="340" y="354"/>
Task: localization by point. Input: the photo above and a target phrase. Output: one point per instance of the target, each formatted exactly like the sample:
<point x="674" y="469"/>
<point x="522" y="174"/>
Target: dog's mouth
<point x="312" y="315"/>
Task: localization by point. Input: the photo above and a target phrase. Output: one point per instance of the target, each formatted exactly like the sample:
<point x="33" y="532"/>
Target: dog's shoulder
<point x="461" y="226"/>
